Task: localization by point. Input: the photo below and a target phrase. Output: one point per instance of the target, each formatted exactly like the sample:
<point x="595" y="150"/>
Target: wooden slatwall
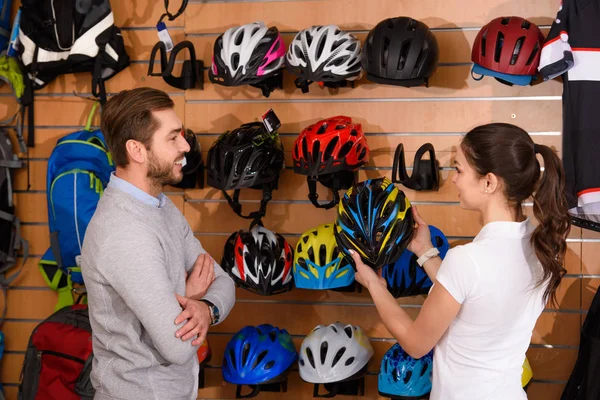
<point x="390" y="115"/>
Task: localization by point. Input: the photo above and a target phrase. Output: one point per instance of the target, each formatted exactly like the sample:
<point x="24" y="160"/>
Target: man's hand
<point x="201" y="277"/>
<point x="198" y="320"/>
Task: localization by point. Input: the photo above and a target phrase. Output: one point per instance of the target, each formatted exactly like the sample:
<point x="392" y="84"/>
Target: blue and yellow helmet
<point x="374" y="219"/>
<point x="318" y="263"/>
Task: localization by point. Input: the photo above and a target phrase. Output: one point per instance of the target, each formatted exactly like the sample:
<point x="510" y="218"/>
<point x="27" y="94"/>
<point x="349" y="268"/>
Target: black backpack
<point x="10" y="233"/>
<point x="67" y="36"/>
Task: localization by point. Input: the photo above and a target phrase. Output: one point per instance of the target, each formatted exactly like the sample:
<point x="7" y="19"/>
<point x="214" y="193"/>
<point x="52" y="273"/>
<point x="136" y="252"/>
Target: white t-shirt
<point x="480" y="356"/>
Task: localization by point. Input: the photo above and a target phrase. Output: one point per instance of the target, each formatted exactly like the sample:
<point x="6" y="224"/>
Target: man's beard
<point x="161" y="174"/>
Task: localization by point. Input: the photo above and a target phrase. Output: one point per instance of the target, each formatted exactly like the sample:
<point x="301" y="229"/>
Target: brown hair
<point x="508" y="152"/>
<point x="128" y="116"/>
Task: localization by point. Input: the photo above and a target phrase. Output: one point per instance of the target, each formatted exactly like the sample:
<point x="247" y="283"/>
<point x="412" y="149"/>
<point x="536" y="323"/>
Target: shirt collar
<point x="136" y="192"/>
<point x="505" y="229"/>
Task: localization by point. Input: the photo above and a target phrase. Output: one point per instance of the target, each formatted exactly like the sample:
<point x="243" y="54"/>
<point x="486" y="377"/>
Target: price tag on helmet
<point x="270" y="121"/>
<point x="163" y="35"/>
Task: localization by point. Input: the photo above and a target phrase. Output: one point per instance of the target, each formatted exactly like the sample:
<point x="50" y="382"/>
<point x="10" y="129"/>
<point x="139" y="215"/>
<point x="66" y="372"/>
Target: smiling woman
<point x="499" y="283"/>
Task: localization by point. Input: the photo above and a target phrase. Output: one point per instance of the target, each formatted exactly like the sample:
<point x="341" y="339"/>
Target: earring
<point x="486" y="190"/>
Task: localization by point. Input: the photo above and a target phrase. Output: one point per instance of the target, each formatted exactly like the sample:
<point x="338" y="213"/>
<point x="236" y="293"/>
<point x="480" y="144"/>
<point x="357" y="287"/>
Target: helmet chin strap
<point x="255" y="216"/>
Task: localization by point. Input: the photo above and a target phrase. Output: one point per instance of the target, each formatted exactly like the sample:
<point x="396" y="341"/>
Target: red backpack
<point x="59" y="357"/>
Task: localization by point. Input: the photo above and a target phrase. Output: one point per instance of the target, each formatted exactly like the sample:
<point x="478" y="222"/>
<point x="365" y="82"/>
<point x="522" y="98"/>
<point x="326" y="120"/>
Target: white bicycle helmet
<point x="324" y="54"/>
<point x="250" y="54"/>
<point x="334" y="353"/>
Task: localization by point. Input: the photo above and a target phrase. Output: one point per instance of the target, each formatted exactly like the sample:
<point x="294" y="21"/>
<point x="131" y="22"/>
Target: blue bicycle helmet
<point x="375" y="220"/>
<point x="405" y="277"/>
<point x="258" y="355"/>
<point x="402" y="376"/>
<point x="318" y="263"/>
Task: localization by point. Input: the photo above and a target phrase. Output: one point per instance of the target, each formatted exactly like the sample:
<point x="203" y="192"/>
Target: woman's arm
<point x="417" y="337"/>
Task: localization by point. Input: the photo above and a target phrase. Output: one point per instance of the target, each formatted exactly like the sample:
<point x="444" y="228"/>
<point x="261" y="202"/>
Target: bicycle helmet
<point x="193" y="169"/>
<point x="405" y="277"/>
<point x="527" y="374"/>
<point x="330" y="151"/>
<point x="402" y="376"/>
<point x="323" y="54"/>
<point x="334" y="353"/>
<point x="258" y="355"/>
<point x="508" y="48"/>
<point x="374" y="219"/>
<point x="250" y="54"/>
<point x="400" y="51"/>
<point x="247" y="157"/>
<point x="204" y="352"/>
<point x="259" y="261"/>
<point x="318" y="263"/>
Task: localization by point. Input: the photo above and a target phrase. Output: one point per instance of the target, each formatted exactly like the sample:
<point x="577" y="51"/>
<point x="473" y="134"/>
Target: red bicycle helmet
<point x="330" y="151"/>
<point x="330" y="145"/>
<point x="509" y="45"/>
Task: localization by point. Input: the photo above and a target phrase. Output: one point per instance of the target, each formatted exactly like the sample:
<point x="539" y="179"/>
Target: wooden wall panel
<point x="440" y="114"/>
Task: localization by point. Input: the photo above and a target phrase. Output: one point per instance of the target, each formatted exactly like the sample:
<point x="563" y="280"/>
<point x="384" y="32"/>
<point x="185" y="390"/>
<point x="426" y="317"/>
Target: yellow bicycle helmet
<point x="527" y="374"/>
<point x="318" y="263"/>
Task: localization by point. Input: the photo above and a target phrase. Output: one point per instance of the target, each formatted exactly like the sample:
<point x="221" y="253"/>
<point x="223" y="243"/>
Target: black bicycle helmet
<point x="259" y="260"/>
<point x="400" y="51"/>
<point x="247" y="157"/>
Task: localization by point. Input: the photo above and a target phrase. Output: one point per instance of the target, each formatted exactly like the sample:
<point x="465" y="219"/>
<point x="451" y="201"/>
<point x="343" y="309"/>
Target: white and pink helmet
<point x="250" y="54"/>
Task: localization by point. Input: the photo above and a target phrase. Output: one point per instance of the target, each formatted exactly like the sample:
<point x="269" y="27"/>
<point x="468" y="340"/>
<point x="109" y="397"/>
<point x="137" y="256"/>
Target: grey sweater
<point x="135" y="258"/>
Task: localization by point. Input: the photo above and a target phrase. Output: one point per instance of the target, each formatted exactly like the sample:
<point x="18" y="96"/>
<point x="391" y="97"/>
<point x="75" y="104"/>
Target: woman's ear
<point x="491" y="183"/>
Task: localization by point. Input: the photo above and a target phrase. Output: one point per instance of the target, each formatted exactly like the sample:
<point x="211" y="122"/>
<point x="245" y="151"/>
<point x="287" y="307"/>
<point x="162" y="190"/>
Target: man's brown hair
<point x="128" y="116"/>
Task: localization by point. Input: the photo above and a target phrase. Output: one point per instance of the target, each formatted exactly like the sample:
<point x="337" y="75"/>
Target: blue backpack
<point x="79" y="169"/>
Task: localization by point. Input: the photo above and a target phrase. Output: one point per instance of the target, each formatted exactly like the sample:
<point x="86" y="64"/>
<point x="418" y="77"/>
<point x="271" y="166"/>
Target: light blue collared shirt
<point x="136" y="192"/>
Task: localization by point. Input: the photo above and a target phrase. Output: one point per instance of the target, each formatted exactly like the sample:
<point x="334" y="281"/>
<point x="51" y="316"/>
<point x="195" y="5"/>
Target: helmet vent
<point x="517" y="50"/>
<point x="333" y="328"/>
<point x="310" y="357"/>
<point x="305" y="148"/>
<point x="384" y="53"/>
<point x="245" y="352"/>
<point x="309" y="38"/>
<point x="323" y="353"/>
<point x="349" y="361"/>
<point x="483" y="41"/>
<point x="395" y="374"/>
<point x="321" y="46"/>
<point x="260" y="357"/>
<point x="232" y="356"/>
<point x="536" y="48"/>
<point x="499" y="43"/>
<point x="338" y="356"/>
<point x="322" y="129"/>
<point x="311" y="254"/>
<point x="336" y="253"/>
<point x="390" y="23"/>
<point x="505" y="21"/>
<point x="330" y="148"/>
<point x="345" y="149"/>
<point x="269" y="365"/>
<point x="412" y="25"/>
<point x="239" y="37"/>
<point x="315" y="151"/>
<point x="235" y="61"/>
<point x="353" y="132"/>
<point x="525" y="25"/>
<point x="407" y="376"/>
<point x="305" y="239"/>
<point x="348" y="331"/>
<point x="302" y="363"/>
<point x="273" y="336"/>
<point x="322" y="255"/>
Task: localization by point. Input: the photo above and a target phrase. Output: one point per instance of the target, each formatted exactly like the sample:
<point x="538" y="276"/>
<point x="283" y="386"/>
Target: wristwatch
<point x="214" y="312"/>
<point x="429" y="254"/>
